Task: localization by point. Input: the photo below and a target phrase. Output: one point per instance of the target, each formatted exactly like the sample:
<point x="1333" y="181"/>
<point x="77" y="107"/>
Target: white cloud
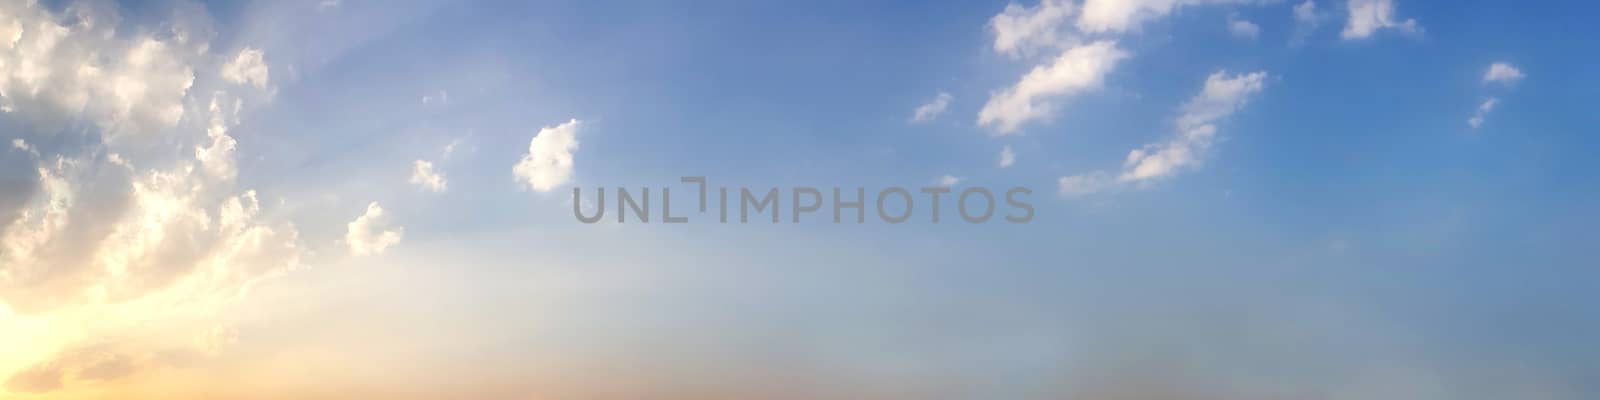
<point x="948" y="180"/>
<point x="1007" y="157"/>
<point x="1306" y="21"/>
<point x="1370" y="16"/>
<point x="1084" y="184"/>
<point x="1195" y="131"/>
<point x="1124" y="15"/>
<point x="1078" y="70"/>
<point x="218" y="160"/>
<point x="931" y="110"/>
<point x="548" y="163"/>
<point x="247" y="68"/>
<point x="424" y="176"/>
<point x="1306" y="13"/>
<point x="75" y="66"/>
<point x="1502" y="72"/>
<point x="369" y="234"/>
<point x="104" y="247"/>
<point x="1243" y="29"/>
<point x="1196" y="127"/>
<point x="1022" y="31"/>
<point x="1482" y="111"/>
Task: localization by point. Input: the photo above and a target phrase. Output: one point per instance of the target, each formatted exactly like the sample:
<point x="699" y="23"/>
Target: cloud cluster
<point x="1082" y="36"/>
<point x="105" y="245"/>
<point x="1196" y="130"/>
<point x="58" y="67"/>
<point x="1499" y="73"/>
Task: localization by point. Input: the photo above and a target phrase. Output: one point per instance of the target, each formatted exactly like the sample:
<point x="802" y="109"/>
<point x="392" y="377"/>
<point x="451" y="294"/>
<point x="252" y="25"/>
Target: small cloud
<point x="424" y="176"/>
<point x="1306" y="21"/>
<point x="1483" y="111"/>
<point x="1306" y="13"/>
<point x="548" y="163"/>
<point x="1243" y="29"/>
<point x="247" y="68"/>
<point x="1502" y="72"/>
<point x="450" y="149"/>
<point x="368" y="235"/>
<point x="1196" y="130"/>
<point x="327" y="4"/>
<point x="948" y="180"/>
<point x="1022" y="31"/>
<point x="1078" y="70"/>
<point x="1007" y="157"/>
<point x="927" y="112"/>
<point x="441" y="99"/>
<point x="1085" y="184"/>
<point x="1370" y="16"/>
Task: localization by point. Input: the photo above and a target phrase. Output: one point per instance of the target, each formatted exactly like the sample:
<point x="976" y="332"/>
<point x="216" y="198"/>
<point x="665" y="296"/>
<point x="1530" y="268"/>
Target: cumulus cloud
<point x="370" y="233"/>
<point x="927" y="112"/>
<point x="1022" y="31"/>
<point x="56" y="68"/>
<point x="1502" y="72"/>
<point x="102" y="240"/>
<point x="548" y="163"/>
<point x="1007" y="157"/>
<point x="1369" y="16"/>
<point x="424" y="176"/>
<point x="1196" y="129"/>
<point x="1078" y="70"/>
<point x="1483" y="110"/>
<point x="249" y="67"/>
<point x="948" y="180"/>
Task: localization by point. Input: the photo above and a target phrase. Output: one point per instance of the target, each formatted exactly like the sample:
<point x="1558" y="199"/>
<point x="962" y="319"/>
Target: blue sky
<point x="1247" y="199"/>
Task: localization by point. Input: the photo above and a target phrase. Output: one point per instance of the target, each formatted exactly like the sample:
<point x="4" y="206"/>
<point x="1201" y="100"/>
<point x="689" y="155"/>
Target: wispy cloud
<point x="931" y="109"/>
<point x="1078" y="70"/>
<point x="1196" y="130"/>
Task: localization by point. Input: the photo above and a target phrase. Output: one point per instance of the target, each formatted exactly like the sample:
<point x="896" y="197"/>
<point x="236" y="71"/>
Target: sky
<point x="1242" y="199"/>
